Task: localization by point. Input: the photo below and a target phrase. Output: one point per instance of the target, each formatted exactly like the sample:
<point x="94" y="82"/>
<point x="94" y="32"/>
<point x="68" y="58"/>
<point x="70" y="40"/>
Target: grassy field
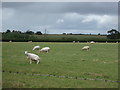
<point x="64" y="59"/>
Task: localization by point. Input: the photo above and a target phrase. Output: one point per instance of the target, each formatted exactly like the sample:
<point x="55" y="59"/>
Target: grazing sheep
<point x="32" y="57"/>
<point x="45" y="49"/>
<point x="86" y="48"/>
<point x="92" y="42"/>
<point x="29" y="41"/>
<point x="73" y="41"/>
<point x="36" y="47"/>
<point x="10" y="41"/>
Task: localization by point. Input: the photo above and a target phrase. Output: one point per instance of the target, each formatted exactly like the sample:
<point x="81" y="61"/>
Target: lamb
<point x="32" y="57"/>
<point x="86" y="48"/>
<point x="45" y="49"/>
<point x="36" y="47"/>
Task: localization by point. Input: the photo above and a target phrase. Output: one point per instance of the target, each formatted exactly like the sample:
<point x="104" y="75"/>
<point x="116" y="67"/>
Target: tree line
<point x="15" y="35"/>
<point x="20" y="32"/>
<point x="29" y="35"/>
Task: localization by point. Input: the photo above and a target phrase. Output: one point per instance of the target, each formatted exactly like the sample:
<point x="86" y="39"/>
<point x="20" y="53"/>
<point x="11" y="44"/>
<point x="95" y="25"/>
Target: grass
<point x="65" y="59"/>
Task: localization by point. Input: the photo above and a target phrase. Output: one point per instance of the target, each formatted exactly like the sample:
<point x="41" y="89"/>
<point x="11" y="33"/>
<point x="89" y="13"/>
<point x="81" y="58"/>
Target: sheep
<point x="45" y="49"/>
<point x="29" y="41"/>
<point x="92" y="42"/>
<point x="10" y="41"/>
<point x="73" y="41"/>
<point x="32" y="57"/>
<point x="117" y="42"/>
<point x="86" y="48"/>
<point x="36" y="47"/>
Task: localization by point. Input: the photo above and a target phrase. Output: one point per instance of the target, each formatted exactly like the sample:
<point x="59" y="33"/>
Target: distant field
<point x="64" y="59"/>
<point x="71" y="37"/>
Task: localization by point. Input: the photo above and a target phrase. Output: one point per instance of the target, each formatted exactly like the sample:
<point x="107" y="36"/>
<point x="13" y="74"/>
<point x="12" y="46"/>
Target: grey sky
<point x="60" y="17"/>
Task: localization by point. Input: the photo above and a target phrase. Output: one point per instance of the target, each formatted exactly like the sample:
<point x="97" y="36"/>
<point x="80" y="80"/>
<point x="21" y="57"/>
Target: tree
<point x="98" y="33"/>
<point x="113" y="34"/>
<point x="16" y="31"/>
<point x="29" y="32"/>
<point x="8" y="31"/>
<point x="113" y="31"/>
<point x="64" y="33"/>
<point x="38" y="33"/>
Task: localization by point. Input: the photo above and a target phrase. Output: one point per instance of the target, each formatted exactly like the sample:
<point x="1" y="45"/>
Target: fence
<point x="57" y="76"/>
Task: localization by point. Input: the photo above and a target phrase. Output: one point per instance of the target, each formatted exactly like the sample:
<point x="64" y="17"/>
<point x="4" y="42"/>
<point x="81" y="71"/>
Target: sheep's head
<point x="25" y="52"/>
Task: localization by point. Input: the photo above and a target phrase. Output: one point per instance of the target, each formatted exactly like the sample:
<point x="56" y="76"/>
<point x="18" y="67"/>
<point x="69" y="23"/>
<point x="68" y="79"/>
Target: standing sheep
<point x="32" y="57"/>
<point x="45" y="49"/>
<point x="86" y="48"/>
<point x="36" y="47"/>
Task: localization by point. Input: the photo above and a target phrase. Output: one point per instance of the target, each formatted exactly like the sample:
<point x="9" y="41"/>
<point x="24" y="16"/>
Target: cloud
<point x="60" y="21"/>
<point x="7" y="13"/>
<point x="64" y="7"/>
<point x="73" y="16"/>
<point x="101" y="20"/>
<point x="98" y="18"/>
<point x="60" y="16"/>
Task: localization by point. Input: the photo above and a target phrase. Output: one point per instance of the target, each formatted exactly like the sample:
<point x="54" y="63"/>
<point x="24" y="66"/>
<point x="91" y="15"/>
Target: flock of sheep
<point x="34" y="57"/>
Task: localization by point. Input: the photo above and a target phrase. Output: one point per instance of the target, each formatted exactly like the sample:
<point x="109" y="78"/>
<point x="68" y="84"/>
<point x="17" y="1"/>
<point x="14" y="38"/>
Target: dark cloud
<point x="64" y="7"/>
<point x="60" y="17"/>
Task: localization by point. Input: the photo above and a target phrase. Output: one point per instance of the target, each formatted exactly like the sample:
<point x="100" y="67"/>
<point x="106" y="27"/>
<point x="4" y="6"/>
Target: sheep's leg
<point x="37" y="61"/>
<point x="27" y="57"/>
<point x="30" y="61"/>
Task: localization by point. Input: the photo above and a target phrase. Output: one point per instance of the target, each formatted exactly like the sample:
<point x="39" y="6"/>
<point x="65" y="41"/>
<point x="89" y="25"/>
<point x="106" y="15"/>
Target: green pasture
<point x="64" y="59"/>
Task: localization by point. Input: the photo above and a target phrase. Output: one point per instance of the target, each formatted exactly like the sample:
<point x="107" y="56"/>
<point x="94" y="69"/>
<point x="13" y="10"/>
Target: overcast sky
<point x="60" y="17"/>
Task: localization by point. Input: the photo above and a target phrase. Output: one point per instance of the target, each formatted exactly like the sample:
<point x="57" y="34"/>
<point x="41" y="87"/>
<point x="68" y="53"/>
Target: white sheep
<point x="29" y="41"/>
<point x="92" y="42"/>
<point x="86" y="48"/>
<point x="10" y="41"/>
<point x="32" y="57"/>
<point x="45" y="49"/>
<point x="73" y="41"/>
<point x="36" y="47"/>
